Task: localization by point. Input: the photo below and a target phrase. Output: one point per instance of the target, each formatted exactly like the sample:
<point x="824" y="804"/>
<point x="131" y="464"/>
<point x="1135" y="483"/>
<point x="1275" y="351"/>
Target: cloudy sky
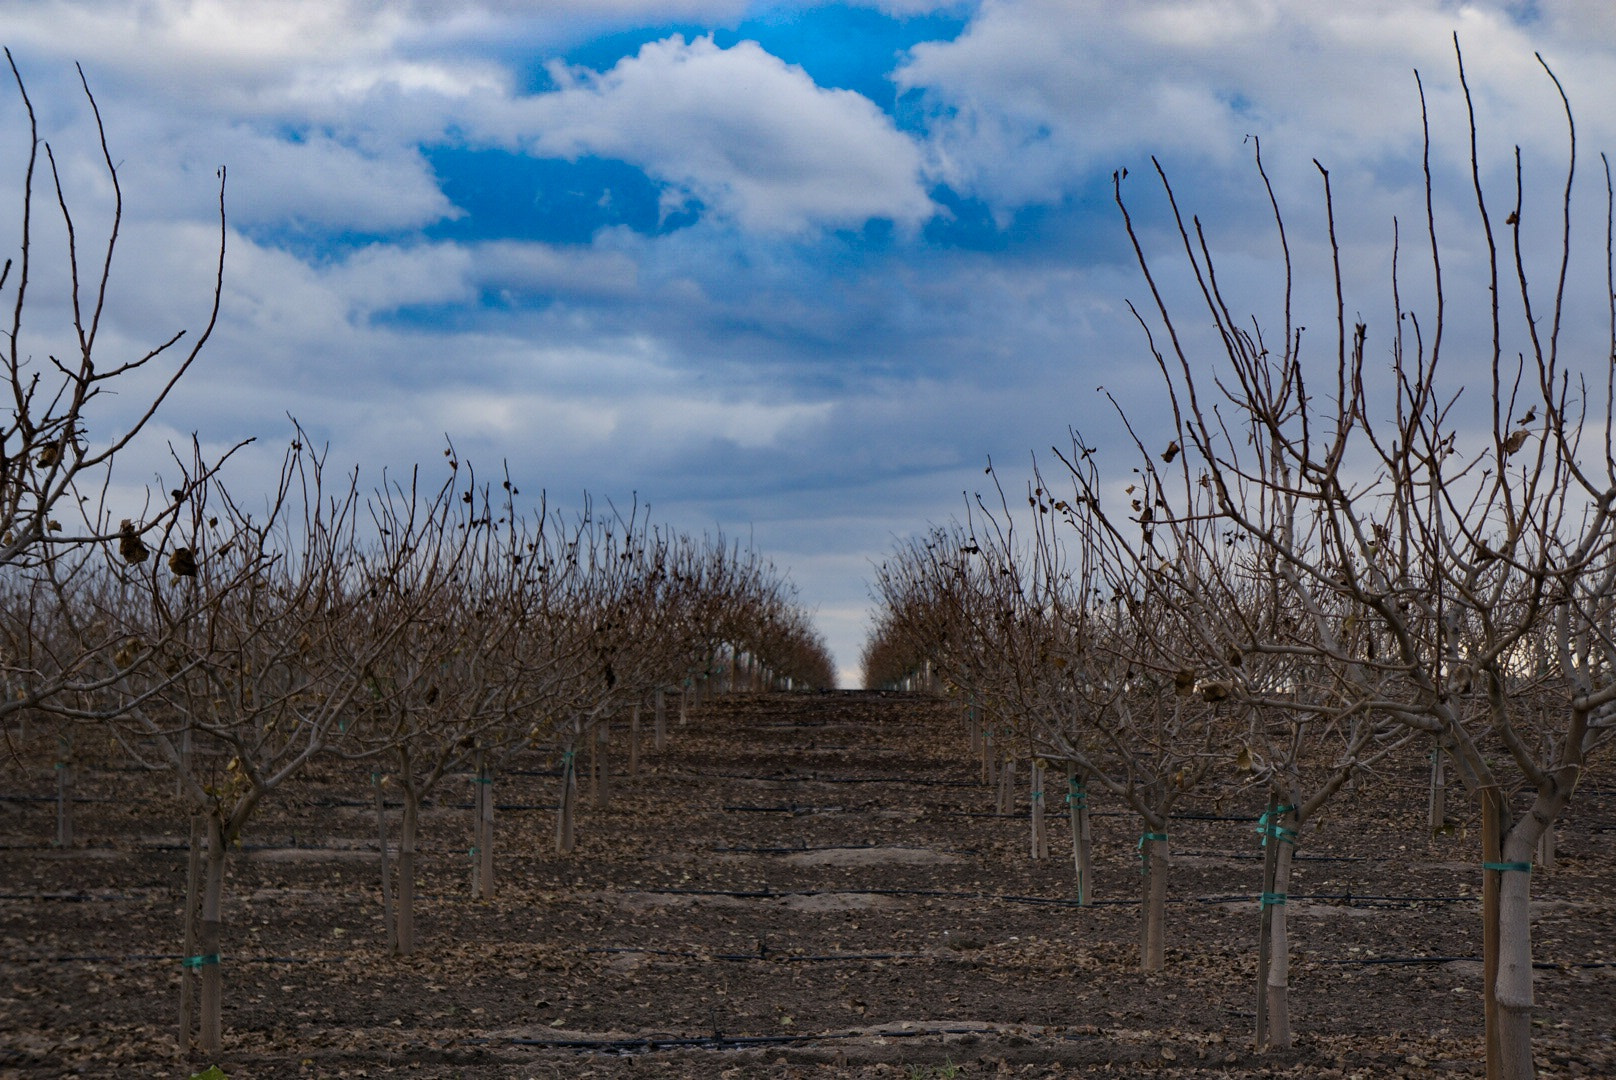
<point x="792" y="271"/>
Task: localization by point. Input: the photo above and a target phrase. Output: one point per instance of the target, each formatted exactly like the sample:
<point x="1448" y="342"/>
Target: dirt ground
<point x="797" y="886"/>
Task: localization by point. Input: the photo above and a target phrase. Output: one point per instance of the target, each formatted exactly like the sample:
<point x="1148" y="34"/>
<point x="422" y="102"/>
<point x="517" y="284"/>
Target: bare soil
<point x="798" y="886"/>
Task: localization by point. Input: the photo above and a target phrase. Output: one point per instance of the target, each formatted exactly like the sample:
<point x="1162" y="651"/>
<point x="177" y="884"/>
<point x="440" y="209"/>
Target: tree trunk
<point x="1278" y="828"/>
<point x="589" y="762"/>
<point x="1153" y="923"/>
<point x="1040" y="838"/>
<point x="184" y="768"/>
<point x="1507" y="940"/>
<point x="634" y="741"/>
<point x="1491" y="854"/>
<point x="206" y="958"/>
<point x="409" y="828"/>
<point x="482" y="828"/>
<point x="659" y="716"/>
<point x="1077" y="798"/>
<point x="603" y="775"/>
<point x="389" y="912"/>
<point x="1007" y="786"/>
<point x="1439" y="791"/>
<point x="193" y="886"/>
<point x="64" y="803"/>
<point x="1279" y="969"/>
<point x="569" y="789"/>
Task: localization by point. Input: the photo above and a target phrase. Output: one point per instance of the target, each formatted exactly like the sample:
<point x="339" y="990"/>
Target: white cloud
<point x="532" y="268"/>
<point x="750" y="136"/>
<point x="1037" y="94"/>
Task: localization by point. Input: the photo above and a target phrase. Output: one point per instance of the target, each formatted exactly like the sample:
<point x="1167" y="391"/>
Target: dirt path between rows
<point x="798" y="886"/>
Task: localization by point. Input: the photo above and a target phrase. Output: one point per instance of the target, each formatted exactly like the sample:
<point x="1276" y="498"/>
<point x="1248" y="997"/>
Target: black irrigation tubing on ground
<point x="70" y="898"/>
<point x="778" y="957"/>
<point x="898" y="780"/>
<point x="1094" y="813"/>
<point x="764" y="955"/>
<point x="770" y="894"/>
<point x="1055" y="901"/>
<point x="834" y="847"/>
<point x="1539" y="965"/>
<point x="53" y="798"/>
<point x="789" y="724"/>
<point x="1259" y="855"/>
<point x="794" y="811"/>
<point x="147" y="957"/>
<point x="426" y="804"/>
<point x="719" y="1041"/>
<point x="1349" y="898"/>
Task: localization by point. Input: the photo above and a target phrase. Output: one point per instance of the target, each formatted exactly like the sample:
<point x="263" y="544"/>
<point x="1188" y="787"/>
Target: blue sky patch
<point x="844" y="48"/>
<point x="513" y="197"/>
<point x="839" y="47"/>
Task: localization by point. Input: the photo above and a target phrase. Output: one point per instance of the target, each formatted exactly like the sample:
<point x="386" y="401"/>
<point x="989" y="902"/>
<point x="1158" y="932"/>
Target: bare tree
<point x="1452" y="567"/>
<point x="249" y="641"/>
<point x="57" y="444"/>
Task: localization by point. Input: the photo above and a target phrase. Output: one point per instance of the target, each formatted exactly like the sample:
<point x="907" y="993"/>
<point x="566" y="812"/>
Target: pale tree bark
<point x="566" y="831"/>
<point x="1077" y="801"/>
<point x="1035" y="794"/>
<point x="389" y="912"/>
<point x="1154" y="861"/>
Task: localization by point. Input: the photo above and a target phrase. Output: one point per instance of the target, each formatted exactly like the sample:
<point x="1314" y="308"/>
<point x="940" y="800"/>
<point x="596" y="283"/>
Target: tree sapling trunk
<point x="389" y="914"/>
<point x="1153" y="923"/>
<point x="1077" y="799"/>
<point x="64" y="794"/>
<point x="1040" y="838"/>
<point x="569" y="791"/>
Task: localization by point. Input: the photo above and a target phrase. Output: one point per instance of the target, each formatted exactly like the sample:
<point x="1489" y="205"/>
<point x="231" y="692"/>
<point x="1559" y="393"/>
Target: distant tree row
<point x="1322" y="558"/>
<point x="426" y="627"/>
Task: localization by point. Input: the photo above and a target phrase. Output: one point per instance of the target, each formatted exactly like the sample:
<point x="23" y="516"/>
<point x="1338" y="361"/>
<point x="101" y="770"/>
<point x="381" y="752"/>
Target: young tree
<point x="1455" y="567"/>
<point x="60" y="435"/>
<point x="248" y="642"/>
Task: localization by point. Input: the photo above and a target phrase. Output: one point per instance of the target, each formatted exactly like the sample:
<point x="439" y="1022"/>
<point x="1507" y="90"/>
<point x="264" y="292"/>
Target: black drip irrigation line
<point x="1053" y="901"/>
<point x="834" y="847"/>
<point x="937" y="894"/>
<point x="1347" y="898"/>
<point x="896" y="780"/>
<point x="1023" y="814"/>
<point x="763" y="954"/>
<point x="148" y="957"/>
<point x="70" y="898"/>
<point x="787" y="725"/>
<point x="72" y="799"/>
<point x="719" y="1041"/>
<point x="771" y="894"/>
<point x="793" y="810"/>
<point x="1540" y="965"/>
<point x="398" y="804"/>
<point x="1258" y="855"/>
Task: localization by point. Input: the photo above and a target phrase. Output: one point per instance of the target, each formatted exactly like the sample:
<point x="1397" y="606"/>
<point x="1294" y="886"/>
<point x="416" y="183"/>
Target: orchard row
<point x="1300" y="559"/>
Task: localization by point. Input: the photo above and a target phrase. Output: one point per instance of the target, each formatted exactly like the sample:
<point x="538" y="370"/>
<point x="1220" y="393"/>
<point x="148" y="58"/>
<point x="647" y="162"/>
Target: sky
<point x="791" y="271"/>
